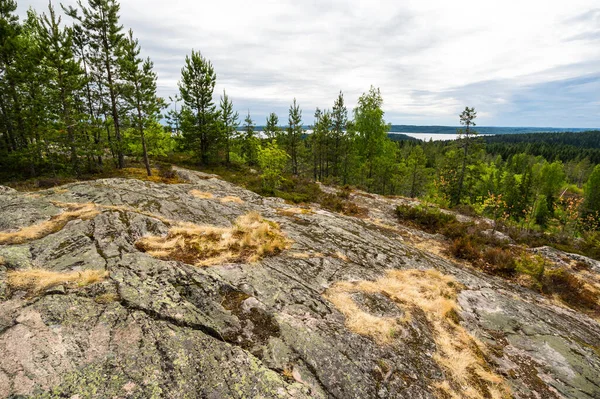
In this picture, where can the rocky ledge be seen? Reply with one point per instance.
(348, 309)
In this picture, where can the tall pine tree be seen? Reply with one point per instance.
(139, 91)
(66, 78)
(294, 134)
(99, 22)
(197, 84)
(229, 123)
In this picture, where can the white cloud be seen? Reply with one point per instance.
(430, 58)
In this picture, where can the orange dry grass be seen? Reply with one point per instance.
(294, 211)
(56, 223)
(231, 198)
(201, 194)
(341, 256)
(38, 280)
(458, 353)
(249, 239)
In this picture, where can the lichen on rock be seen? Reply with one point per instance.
(161, 327)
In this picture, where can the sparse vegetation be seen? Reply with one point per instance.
(430, 219)
(35, 281)
(571, 290)
(56, 223)
(467, 373)
(201, 194)
(249, 239)
(231, 198)
(294, 211)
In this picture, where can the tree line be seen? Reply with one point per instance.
(72, 97)
(78, 98)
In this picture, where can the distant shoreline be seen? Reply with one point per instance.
(482, 130)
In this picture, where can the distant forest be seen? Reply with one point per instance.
(481, 129)
(77, 100)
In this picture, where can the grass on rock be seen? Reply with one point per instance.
(460, 356)
(38, 280)
(249, 239)
(56, 223)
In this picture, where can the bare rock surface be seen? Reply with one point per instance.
(166, 329)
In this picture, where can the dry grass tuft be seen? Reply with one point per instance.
(231, 198)
(248, 240)
(201, 194)
(2, 261)
(458, 353)
(305, 255)
(56, 223)
(341, 256)
(294, 211)
(37, 280)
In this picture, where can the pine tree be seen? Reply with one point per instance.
(198, 79)
(294, 134)
(339, 118)
(250, 142)
(100, 24)
(9, 102)
(467, 118)
(31, 112)
(139, 91)
(229, 123)
(92, 101)
(67, 77)
(271, 128)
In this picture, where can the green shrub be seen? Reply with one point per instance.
(432, 220)
(332, 202)
(533, 266)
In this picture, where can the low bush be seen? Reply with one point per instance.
(466, 210)
(332, 202)
(465, 248)
(534, 266)
(299, 190)
(432, 220)
(499, 261)
(570, 289)
(344, 192)
(166, 171)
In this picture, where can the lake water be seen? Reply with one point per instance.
(420, 136)
(430, 136)
(433, 136)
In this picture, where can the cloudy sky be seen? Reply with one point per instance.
(519, 63)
